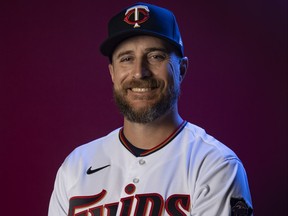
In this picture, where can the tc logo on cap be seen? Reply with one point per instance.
(137, 15)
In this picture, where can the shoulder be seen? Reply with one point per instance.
(213, 164)
(81, 158)
(97, 148)
(205, 147)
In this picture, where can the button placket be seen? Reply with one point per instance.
(141, 161)
(136, 180)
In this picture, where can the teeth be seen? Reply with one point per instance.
(140, 89)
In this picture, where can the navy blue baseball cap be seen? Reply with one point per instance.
(142, 19)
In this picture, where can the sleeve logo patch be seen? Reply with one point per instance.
(239, 207)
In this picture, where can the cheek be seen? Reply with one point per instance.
(119, 77)
(118, 73)
(171, 75)
(174, 74)
(119, 81)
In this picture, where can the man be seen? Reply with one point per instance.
(157, 163)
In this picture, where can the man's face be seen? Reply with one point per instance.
(146, 77)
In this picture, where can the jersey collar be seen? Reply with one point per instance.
(144, 152)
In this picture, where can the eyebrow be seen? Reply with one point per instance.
(152, 49)
(147, 50)
(126, 52)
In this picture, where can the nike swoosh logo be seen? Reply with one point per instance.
(90, 171)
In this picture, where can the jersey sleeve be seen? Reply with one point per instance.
(222, 189)
(59, 205)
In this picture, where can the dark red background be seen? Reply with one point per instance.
(56, 90)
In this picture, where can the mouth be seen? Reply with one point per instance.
(141, 90)
(142, 93)
(142, 87)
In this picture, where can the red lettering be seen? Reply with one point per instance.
(127, 203)
(152, 203)
(111, 208)
(146, 204)
(84, 202)
(174, 202)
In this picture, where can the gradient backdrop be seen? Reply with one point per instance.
(56, 90)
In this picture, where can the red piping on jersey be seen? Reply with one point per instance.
(125, 142)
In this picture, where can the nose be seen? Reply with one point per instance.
(141, 70)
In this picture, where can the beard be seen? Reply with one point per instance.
(151, 112)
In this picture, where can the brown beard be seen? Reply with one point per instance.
(149, 113)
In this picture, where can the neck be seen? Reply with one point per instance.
(149, 135)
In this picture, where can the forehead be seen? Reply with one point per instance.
(140, 43)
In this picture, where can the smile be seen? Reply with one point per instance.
(141, 89)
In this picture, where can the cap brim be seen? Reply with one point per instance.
(108, 46)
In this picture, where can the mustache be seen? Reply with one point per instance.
(143, 83)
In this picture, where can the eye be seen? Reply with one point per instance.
(126, 58)
(154, 57)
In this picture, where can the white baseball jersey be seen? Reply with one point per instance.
(190, 173)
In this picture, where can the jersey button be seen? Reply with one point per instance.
(136, 180)
(142, 162)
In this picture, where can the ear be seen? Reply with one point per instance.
(111, 70)
(183, 68)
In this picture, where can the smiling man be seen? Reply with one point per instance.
(157, 163)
